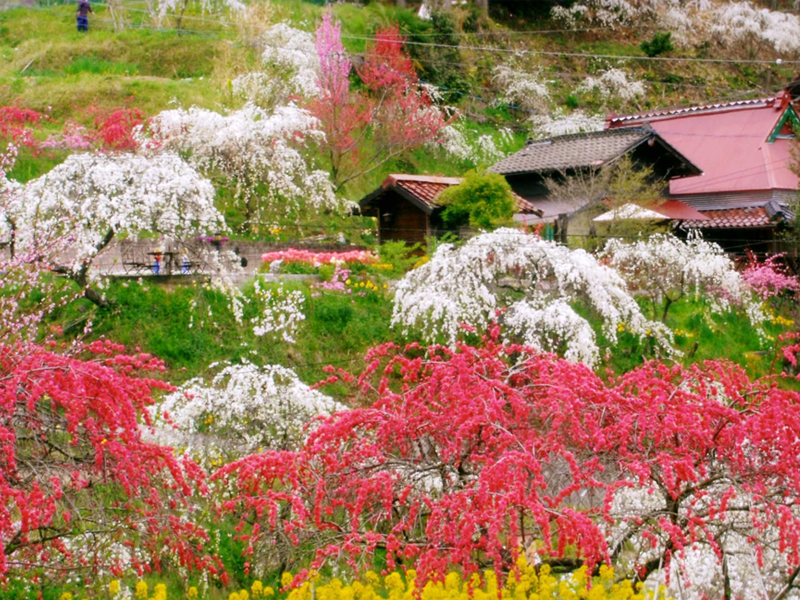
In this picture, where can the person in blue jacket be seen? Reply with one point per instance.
(84, 8)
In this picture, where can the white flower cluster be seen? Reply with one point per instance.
(243, 409)
(280, 314)
(551, 325)
(736, 23)
(602, 13)
(536, 280)
(558, 123)
(291, 68)
(731, 24)
(483, 149)
(257, 150)
(613, 83)
(665, 267)
(520, 88)
(93, 197)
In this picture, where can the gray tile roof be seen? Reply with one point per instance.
(576, 150)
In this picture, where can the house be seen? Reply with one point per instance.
(747, 187)
(580, 155)
(406, 207)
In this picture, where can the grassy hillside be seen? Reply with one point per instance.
(47, 66)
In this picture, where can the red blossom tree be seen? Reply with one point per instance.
(115, 128)
(80, 486)
(18, 124)
(470, 456)
(364, 130)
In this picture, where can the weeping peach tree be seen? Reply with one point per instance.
(473, 455)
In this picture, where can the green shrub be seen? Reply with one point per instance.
(660, 44)
(399, 254)
(572, 101)
(483, 200)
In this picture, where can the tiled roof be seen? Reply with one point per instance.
(754, 216)
(591, 149)
(425, 189)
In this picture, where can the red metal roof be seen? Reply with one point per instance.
(678, 211)
(728, 142)
(427, 188)
(755, 216)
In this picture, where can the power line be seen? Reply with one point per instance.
(523, 51)
(580, 54)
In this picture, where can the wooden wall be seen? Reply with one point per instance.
(400, 220)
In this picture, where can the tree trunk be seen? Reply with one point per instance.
(401, 3)
(483, 6)
(94, 296)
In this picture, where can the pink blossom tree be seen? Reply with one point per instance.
(80, 486)
(769, 278)
(473, 455)
(365, 130)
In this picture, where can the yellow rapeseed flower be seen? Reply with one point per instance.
(524, 584)
(141, 590)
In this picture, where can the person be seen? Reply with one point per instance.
(84, 8)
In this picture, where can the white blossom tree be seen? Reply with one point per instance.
(290, 67)
(667, 269)
(559, 123)
(91, 199)
(241, 410)
(280, 312)
(613, 84)
(734, 25)
(533, 280)
(460, 144)
(742, 24)
(259, 154)
(524, 89)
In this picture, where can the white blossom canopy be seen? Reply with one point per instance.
(257, 150)
(243, 409)
(291, 68)
(535, 280)
(91, 198)
(667, 268)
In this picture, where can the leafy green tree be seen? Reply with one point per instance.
(482, 200)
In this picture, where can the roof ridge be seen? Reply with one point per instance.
(582, 134)
(424, 178)
(671, 112)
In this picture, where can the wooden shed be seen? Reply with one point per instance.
(407, 210)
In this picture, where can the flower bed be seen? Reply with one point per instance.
(317, 259)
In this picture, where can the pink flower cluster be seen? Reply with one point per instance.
(338, 282)
(769, 278)
(293, 255)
